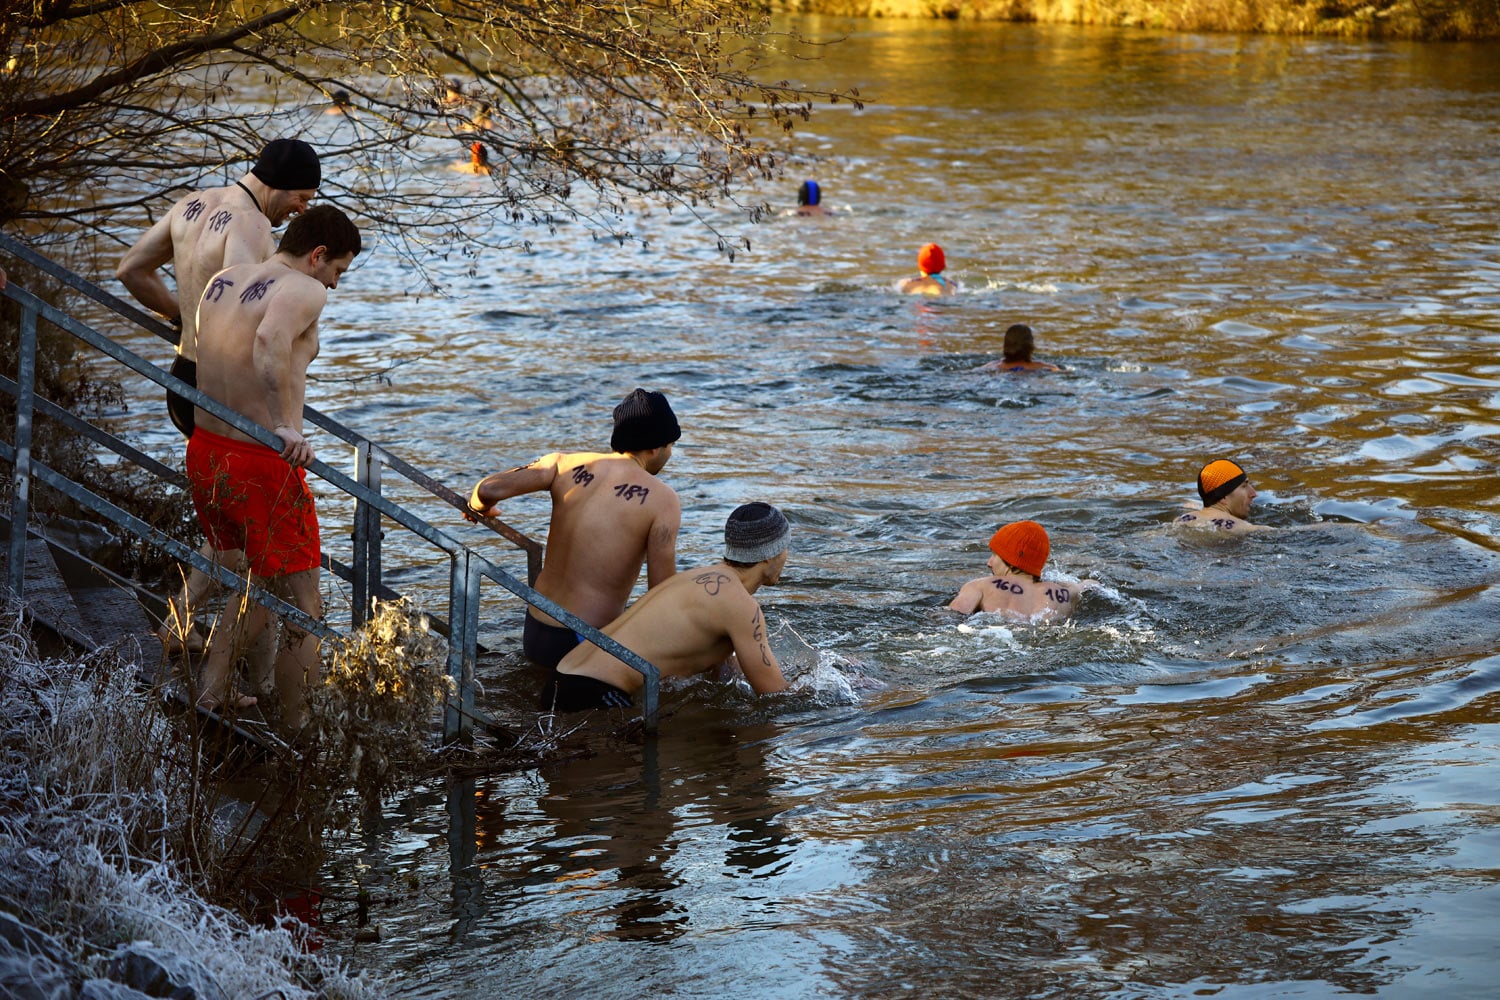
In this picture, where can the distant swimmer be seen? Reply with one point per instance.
(481, 120)
(931, 262)
(340, 104)
(478, 161)
(1017, 589)
(1227, 494)
(690, 624)
(610, 514)
(1018, 347)
(810, 200)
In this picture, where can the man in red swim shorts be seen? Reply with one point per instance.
(257, 333)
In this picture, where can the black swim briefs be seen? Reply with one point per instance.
(546, 645)
(577, 693)
(179, 408)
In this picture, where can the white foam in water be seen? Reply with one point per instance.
(831, 678)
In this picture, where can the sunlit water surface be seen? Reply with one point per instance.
(1249, 768)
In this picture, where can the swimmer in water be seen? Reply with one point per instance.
(340, 105)
(1227, 494)
(1018, 347)
(1016, 588)
(689, 624)
(931, 262)
(481, 119)
(810, 200)
(478, 161)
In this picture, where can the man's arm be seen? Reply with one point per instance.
(969, 597)
(138, 269)
(752, 648)
(490, 490)
(288, 316)
(661, 543)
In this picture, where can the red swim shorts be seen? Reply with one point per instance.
(248, 497)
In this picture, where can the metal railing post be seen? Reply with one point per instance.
(463, 640)
(367, 532)
(20, 498)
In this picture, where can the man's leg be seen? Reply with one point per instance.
(242, 620)
(177, 632)
(297, 664)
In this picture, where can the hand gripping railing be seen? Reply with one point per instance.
(467, 568)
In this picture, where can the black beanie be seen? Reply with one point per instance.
(755, 532)
(288, 165)
(644, 420)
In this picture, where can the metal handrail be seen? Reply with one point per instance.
(468, 567)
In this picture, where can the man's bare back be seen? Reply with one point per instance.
(215, 228)
(690, 623)
(1019, 553)
(610, 514)
(685, 626)
(260, 332)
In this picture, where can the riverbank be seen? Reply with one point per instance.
(102, 860)
(1424, 20)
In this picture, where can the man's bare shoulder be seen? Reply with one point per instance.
(570, 459)
(1215, 520)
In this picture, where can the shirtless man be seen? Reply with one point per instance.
(609, 515)
(931, 262)
(1227, 494)
(204, 233)
(257, 333)
(1016, 588)
(689, 624)
(1018, 346)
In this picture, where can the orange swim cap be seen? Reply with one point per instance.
(1024, 545)
(1218, 479)
(931, 260)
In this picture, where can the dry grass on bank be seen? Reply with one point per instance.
(94, 844)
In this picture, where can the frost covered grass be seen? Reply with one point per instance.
(101, 839)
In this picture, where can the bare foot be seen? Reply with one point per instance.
(214, 703)
(178, 644)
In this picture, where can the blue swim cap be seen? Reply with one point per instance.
(808, 193)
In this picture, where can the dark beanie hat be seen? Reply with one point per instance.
(754, 532)
(644, 420)
(288, 165)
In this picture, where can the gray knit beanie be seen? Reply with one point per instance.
(755, 532)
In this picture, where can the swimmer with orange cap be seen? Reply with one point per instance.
(1227, 494)
(931, 262)
(1016, 588)
(478, 161)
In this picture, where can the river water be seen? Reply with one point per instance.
(1252, 767)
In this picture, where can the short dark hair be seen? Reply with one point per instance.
(321, 226)
(1018, 343)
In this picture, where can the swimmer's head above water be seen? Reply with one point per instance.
(809, 194)
(1022, 545)
(1224, 485)
(930, 260)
